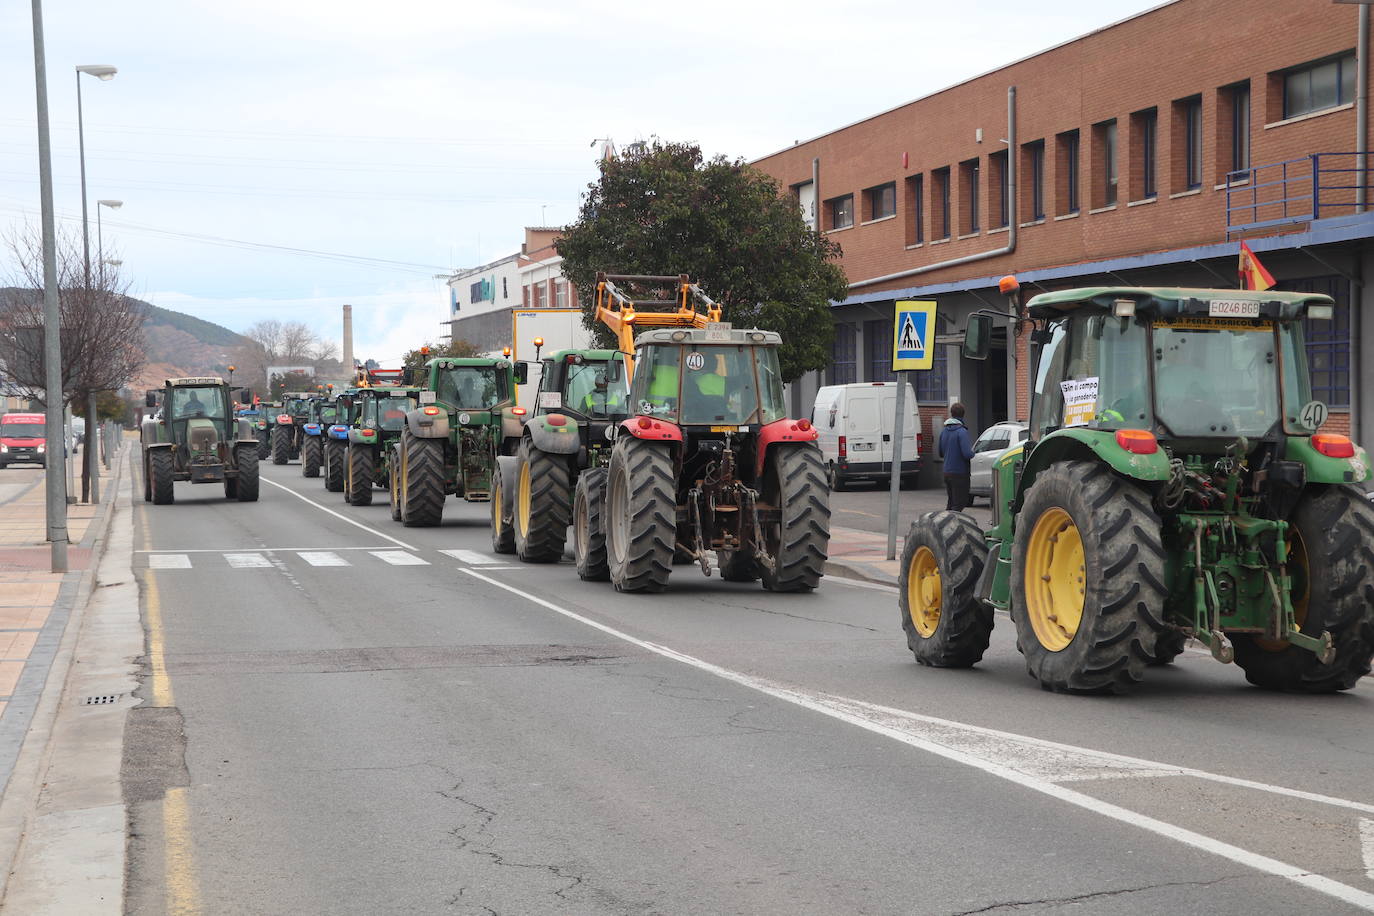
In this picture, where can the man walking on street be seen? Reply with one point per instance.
(956, 448)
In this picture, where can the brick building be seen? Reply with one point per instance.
(1139, 154)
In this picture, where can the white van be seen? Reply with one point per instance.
(855, 423)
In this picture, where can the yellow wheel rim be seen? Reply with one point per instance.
(523, 501)
(923, 591)
(1055, 579)
(497, 496)
(1302, 591)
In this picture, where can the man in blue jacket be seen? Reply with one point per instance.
(956, 448)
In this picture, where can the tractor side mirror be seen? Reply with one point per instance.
(978, 337)
(150, 400)
(522, 373)
(245, 396)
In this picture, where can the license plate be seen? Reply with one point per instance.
(862, 446)
(1232, 308)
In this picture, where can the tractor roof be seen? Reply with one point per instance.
(200, 381)
(1168, 302)
(592, 355)
(710, 337)
(481, 362)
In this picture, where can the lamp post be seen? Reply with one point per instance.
(100, 235)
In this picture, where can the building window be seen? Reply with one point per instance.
(880, 202)
(1034, 166)
(1240, 127)
(1328, 342)
(1145, 125)
(931, 384)
(878, 350)
(969, 174)
(505, 292)
(915, 208)
(1001, 203)
(940, 177)
(1104, 138)
(561, 293)
(1324, 84)
(839, 212)
(844, 366)
(1192, 120)
(1066, 189)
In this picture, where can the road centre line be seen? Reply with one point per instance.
(339, 515)
(887, 721)
(1367, 846)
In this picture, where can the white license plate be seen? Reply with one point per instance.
(862, 446)
(1232, 308)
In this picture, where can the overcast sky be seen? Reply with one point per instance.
(430, 132)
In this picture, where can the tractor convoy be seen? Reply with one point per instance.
(1175, 484)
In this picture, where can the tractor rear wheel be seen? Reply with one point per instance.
(335, 456)
(281, 444)
(641, 515)
(422, 481)
(247, 457)
(264, 444)
(358, 488)
(1087, 580)
(147, 479)
(393, 482)
(543, 504)
(1333, 590)
(795, 483)
(161, 469)
(946, 625)
(503, 488)
(311, 456)
(589, 527)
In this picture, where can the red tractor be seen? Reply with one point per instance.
(707, 460)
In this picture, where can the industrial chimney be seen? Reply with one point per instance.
(348, 339)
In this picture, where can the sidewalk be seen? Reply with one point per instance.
(856, 554)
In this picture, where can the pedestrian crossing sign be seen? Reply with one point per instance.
(913, 335)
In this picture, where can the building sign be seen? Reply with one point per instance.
(483, 291)
(913, 337)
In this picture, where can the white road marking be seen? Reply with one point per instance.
(169, 561)
(262, 549)
(338, 515)
(471, 557)
(989, 750)
(248, 560)
(1367, 846)
(322, 558)
(399, 558)
(495, 568)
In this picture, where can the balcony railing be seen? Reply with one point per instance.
(1277, 194)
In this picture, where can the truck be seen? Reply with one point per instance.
(22, 439)
(537, 332)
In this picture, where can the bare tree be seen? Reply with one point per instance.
(325, 351)
(298, 341)
(266, 334)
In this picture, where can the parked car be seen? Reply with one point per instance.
(991, 445)
(855, 423)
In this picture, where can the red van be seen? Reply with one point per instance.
(21, 438)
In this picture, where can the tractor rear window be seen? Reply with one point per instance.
(1216, 381)
(470, 387)
(189, 403)
(709, 385)
(21, 431)
(391, 412)
(592, 393)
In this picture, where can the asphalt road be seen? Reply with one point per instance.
(864, 506)
(463, 734)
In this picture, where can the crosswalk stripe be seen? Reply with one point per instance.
(169, 561)
(398, 558)
(247, 560)
(322, 558)
(471, 557)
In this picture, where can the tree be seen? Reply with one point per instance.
(456, 349)
(661, 208)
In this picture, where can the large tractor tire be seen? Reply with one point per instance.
(641, 515)
(335, 465)
(358, 485)
(543, 504)
(1169, 645)
(795, 482)
(147, 479)
(161, 468)
(281, 444)
(312, 456)
(504, 485)
(589, 526)
(1332, 566)
(422, 481)
(248, 486)
(393, 482)
(946, 625)
(1087, 580)
(264, 444)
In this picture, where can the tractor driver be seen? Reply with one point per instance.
(662, 393)
(192, 407)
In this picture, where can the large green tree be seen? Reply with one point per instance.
(662, 208)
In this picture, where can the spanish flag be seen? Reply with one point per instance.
(1252, 272)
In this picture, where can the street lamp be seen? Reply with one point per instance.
(100, 235)
(104, 73)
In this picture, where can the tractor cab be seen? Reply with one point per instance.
(709, 378)
(197, 421)
(589, 384)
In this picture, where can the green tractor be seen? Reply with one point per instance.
(196, 437)
(464, 419)
(1175, 486)
(583, 395)
(288, 428)
(380, 415)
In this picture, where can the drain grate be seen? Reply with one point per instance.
(102, 700)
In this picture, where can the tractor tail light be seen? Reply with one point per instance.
(431, 411)
(1334, 445)
(518, 411)
(1137, 441)
(645, 422)
(844, 447)
(803, 425)
(556, 419)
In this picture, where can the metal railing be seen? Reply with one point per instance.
(1294, 191)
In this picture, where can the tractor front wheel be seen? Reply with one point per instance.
(281, 444)
(161, 468)
(311, 456)
(543, 504)
(503, 487)
(248, 487)
(422, 481)
(641, 515)
(1332, 564)
(796, 485)
(358, 487)
(589, 527)
(1087, 580)
(335, 456)
(946, 625)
